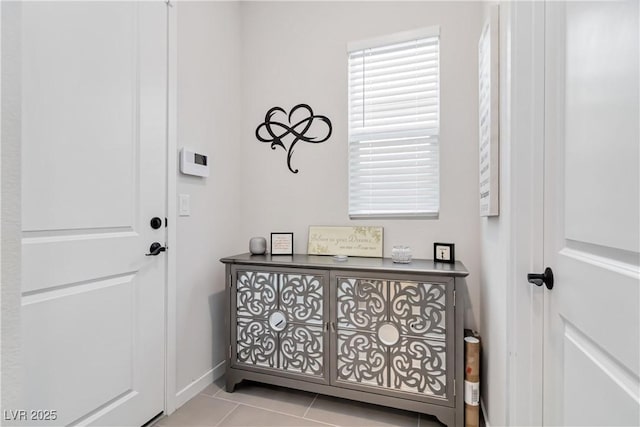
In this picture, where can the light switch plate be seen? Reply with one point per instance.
(184, 205)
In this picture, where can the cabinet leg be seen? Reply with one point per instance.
(450, 420)
(230, 382)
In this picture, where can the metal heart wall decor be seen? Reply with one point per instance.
(295, 126)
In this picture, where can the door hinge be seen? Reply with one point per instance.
(230, 353)
(231, 280)
(454, 387)
(454, 297)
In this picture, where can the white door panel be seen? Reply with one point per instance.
(610, 398)
(89, 362)
(598, 298)
(601, 118)
(58, 258)
(94, 103)
(81, 106)
(592, 199)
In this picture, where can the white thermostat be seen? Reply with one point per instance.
(192, 163)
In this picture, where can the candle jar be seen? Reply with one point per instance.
(401, 254)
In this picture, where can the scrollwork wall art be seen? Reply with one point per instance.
(301, 124)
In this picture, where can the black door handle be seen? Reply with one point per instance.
(539, 279)
(155, 249)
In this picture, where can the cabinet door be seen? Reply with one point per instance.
(280, 322)
(256, 298)
(418, 360)
(392, 335)
(302, 341)
(361, 308)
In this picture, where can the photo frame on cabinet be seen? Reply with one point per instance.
(281, 243)
(444, 252)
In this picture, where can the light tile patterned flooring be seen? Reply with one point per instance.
(261, 405)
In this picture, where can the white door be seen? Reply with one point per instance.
(592, 320)
(94, 86)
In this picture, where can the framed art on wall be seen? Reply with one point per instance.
(489, 109)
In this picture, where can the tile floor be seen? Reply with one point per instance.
(261, 405)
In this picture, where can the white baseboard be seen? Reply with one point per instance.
(218, 370)
(196, 386)
(484, 413)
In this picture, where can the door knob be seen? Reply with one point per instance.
(155, 249)
(155, 223)
(539, 279)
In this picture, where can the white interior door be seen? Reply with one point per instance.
(592, 323)
(94, 84)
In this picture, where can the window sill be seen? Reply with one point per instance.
(434, 215)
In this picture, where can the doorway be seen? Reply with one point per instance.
(94, 187)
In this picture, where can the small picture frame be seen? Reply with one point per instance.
(444, 252)
(281, 243)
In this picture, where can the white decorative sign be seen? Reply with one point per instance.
(351, 241)
(488, 83)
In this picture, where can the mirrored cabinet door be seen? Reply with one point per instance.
(392, 334)
(280, 322)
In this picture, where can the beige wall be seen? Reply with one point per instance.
(208, 122)
(496, 256)
(238, 59)
(295, 52)
(494, 250)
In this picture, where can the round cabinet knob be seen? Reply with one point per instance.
(278, 321)
(388, 334)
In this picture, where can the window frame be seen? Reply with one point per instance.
(387, 40)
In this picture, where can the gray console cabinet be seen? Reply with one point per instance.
(365, 329)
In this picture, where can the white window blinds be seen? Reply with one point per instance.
(394, 110)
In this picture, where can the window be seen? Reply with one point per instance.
(394, 108)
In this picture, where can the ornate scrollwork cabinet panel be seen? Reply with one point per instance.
(363, 329)
(256, 294)
(392, 334)
(280, 322)
(419, 366)
(301, 297)
(361, 303)
(257, 344)
(302, 349)
(361, 359)
(418, 308)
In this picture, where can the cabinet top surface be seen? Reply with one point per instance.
(422, 266)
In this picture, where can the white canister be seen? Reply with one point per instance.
(258, 245)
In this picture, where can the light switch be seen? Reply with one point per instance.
(184, 208)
